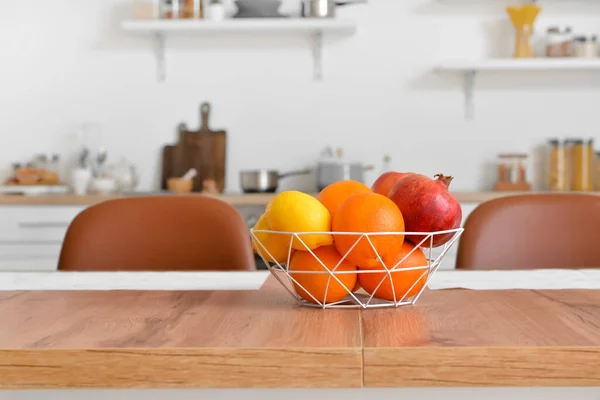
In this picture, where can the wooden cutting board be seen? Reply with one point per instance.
(203, 149)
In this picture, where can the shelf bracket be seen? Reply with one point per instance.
(469, 86)
(318, 55)
(159, 49)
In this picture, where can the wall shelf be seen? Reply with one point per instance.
(315, 28)
(470, 68)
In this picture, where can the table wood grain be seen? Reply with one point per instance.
(486, 338)
(145, 339)
(261, 339)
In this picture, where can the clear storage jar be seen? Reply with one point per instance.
(582, 162)
(558, 172)
(597, 172)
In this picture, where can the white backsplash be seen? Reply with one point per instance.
(67, 62)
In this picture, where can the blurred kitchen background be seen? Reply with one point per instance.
(70, 64)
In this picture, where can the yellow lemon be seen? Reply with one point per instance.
(294, 211)
(277, 245)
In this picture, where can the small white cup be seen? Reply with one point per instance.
(80, 180)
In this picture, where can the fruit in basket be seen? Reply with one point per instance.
(368, 212)
(336, 193)
(294, 211)
(386, 181)
(427, 206)
(277, 245)
(315, 284)
(405, 284)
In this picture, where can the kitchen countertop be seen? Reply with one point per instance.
(261, 339)
(234, 199)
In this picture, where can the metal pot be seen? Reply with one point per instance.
(264, 180)
(330, 172)
(323, 8)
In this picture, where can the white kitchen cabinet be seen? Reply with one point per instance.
(31, 236)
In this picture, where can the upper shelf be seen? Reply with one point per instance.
(317, 28)
(522, 64)
(297, 25)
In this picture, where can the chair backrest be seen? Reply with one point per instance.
(532, 231)
(159, 233)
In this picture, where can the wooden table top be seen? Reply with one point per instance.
(486, 338)
(201, 339)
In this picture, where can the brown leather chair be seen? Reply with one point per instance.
(532, 231)
(170, 233)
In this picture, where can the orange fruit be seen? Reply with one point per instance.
(315, 284)
(404, 283)
(336, 193)
(365, 213)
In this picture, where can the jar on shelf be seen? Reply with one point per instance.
(585, 47)
(597, 172)
(146, 9)
(216, 10)
(582, 159)
(558, 173)
(183, 9)
(553, 42)
(567, 42)
(559, 43)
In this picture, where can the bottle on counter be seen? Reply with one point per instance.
(582, 158)
(558, 173)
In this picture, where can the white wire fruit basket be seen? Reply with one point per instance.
(324, 278)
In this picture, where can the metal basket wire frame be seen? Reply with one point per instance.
(281, 272)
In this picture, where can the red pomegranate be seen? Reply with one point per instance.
(386, 182)
(427, 206)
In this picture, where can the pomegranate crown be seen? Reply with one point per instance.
(444, 179)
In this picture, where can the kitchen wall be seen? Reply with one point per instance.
(66, 62)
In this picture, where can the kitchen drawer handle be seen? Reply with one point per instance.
(30, 225)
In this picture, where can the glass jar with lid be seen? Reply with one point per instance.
(553, 42)
(582, 159)
(597, 171)
(558, 172)
(182, 9)
(559, 42)
(585, 47)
